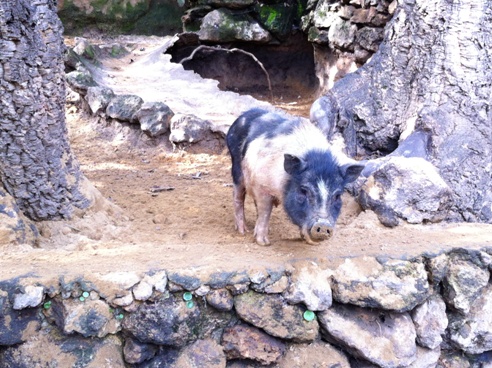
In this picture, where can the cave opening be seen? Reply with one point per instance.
(290, 67)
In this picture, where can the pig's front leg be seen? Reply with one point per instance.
(239, 195)
(264, 205)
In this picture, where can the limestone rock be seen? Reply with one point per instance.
(323, 17)
(170, 321)
(124, 107)
(154, 118)
(201, 354)
(90, 318)
(220, 299)
(464, 281)
(15, 228)
(230, 4)
(15, 326)
(222, 25)
(142, 291)
(342, 34)
(426, 358)
(80, 81)
(30, 297)
(393, 285)
(136, 352)
(385, 339)
(430, 322)
(409, 188)
(317, 354)
(311, 286)
(263, 311)
(472, 332)
(247, 342)
(98, 98)
(66, 351)
(188, 129)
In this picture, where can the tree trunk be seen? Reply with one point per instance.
(433, 74)
(36, 165)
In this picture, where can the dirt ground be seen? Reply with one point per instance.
(189, 224)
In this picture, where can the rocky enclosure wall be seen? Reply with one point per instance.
(424, 312)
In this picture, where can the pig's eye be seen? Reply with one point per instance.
(302, 194)
(337, 197)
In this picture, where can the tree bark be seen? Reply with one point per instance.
(433, 74)
(37, 166)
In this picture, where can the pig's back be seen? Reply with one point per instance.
(263, 155)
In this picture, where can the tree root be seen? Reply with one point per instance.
(215, 48)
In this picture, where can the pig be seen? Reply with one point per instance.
(278, 159)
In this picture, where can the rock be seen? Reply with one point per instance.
(15, 326)
(454, 359)
(430, 322)
(136, 17)
(369, 38)
(342, 34)
(317, 354)
(269, 281)
(311, 286)
(30, 297)
(90, 318)
(135, 351)
(222, 25)
(169, 321)
(409, 188)
(80, 81)
(323, 17)
(220, 299)
(50, 349)
(385, 339)
(472, 332)
(186, 280)
(363, 16)
(166, 357)
(263, 311)
(15, 228)
(98, 98)
(124, 300)
(247, 342)
(276, 18)
(124, 107)
(201, 354)
(188, 129)
(393, 285)
(230, 4)
(426, 358)
(83, 48)
(154, 118)
(464, 281)
(157, 279)
(142, 291)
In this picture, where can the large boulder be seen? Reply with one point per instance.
(223, 25)
(408, 188)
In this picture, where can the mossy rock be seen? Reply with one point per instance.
(157, 17)
(279, 19)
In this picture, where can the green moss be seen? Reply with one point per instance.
(276, 18)
(159, 17)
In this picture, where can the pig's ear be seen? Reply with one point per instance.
(293, 164)
(350, 172)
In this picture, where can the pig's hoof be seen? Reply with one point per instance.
(262, 241)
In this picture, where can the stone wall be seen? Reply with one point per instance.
(366, 312)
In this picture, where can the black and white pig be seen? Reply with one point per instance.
(277, 159)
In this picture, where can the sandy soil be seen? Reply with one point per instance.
(190, 225)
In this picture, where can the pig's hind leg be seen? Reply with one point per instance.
(239, 196)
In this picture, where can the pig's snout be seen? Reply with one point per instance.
(321, 230)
